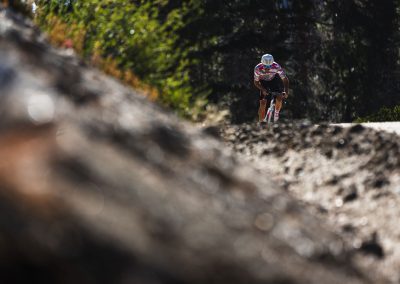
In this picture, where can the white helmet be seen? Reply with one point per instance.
(267, 59)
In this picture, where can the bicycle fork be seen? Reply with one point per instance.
(270, 113)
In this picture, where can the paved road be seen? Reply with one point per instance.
(387, 126)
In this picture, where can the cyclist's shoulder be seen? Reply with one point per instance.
(259, 66)
(276, 65)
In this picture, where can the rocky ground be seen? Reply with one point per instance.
(348, 177)
(98, 185)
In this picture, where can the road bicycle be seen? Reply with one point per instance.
(269, 117)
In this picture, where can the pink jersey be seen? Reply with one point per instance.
(261, 72)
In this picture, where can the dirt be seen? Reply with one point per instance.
(347, 177)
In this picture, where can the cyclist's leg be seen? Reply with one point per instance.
(263, 101)
(277, 85)
(278, 106)
(262, 108)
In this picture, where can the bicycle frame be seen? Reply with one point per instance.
(269, 117)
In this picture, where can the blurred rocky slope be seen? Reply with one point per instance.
(97, 185)
(349, 177)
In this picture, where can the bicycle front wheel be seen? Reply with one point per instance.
(271, 112)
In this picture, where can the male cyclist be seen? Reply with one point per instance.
(269, 76)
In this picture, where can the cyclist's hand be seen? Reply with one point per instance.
(264, 92)
(285, 95)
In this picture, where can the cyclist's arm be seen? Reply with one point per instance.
(259, 86)
(286, 85)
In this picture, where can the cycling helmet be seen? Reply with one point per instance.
(267, 59)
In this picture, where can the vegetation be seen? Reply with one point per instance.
(340, 55)
(133, 40)
(384, 114)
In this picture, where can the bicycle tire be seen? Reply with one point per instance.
(271, 112)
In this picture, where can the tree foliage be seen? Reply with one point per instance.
(384, 114)
(137, 36)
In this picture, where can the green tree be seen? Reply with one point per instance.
(141, 36)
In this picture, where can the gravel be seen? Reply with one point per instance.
(347, 176)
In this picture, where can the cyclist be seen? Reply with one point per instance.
(269, 76)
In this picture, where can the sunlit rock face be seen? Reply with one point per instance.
(97, 185)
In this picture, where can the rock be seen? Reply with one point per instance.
(350, 194)
(212, 131)
(373, 247)
(358, 128)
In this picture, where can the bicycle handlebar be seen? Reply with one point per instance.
(273, 94)
(276, 93)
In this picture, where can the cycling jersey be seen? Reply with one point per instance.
(262, 72)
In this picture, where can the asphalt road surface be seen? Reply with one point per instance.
(386, 126)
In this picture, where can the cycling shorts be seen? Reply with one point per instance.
(275, 85)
